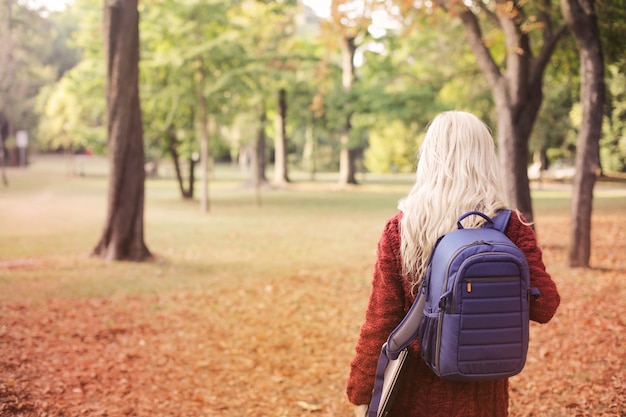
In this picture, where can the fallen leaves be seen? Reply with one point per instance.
(283, 348)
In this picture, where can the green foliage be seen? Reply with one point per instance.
(556, 127)
(612, 23)
(392, 148)
(26, 67)
(464, 87)
(73, 110)
(554, 133)
(63, 55)
(218, 50)
(613, 142)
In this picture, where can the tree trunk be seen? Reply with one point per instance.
(257, 158)
(204, 162)
(203, 129)
(7, 67)
(123, 237)
(261, 161)
(346, 158)
(517, 92)
(281, 176)
(7, 72)
(192, 175)
(308, 153)
(171, 147)
(581, 18)
(513, 149)
(5, 181)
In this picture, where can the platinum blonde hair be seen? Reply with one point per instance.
(457, 171)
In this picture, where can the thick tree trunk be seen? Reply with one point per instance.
(123, 237)
(517, 92)
(281, 175)
(347, 166)
(581, 18)
(514, 122)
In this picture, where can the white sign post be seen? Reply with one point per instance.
(21, 140)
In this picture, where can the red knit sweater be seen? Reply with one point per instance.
(423, 393)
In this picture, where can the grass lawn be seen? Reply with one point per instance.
(254, 309)
(51, 222)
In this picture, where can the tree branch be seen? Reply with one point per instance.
(489, 13)
(474, 35)
(549, 44)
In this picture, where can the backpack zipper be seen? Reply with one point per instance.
(468, 284)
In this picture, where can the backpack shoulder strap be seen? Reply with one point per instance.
(501, 220)
(406, 331)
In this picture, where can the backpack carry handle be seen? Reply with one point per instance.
(469, 213)
(498, 222)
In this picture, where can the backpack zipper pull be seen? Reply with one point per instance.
(469, 286)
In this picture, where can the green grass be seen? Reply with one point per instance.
(51, 220)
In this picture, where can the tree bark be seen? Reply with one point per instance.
(281, 174)
(581, 18)
(123, 236)
(347, 166)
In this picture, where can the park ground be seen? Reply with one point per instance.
(254, 310)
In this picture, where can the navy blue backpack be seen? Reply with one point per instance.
(470, 314)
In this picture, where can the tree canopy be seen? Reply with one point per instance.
(409, 64)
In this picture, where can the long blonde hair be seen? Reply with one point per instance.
(457, 171)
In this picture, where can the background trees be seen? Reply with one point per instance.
(29, 60)
(218, 86)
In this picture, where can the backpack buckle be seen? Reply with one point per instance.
(443, 301)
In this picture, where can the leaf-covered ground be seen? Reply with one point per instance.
(282, 347)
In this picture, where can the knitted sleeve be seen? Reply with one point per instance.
(543, 308)
(384, 311)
